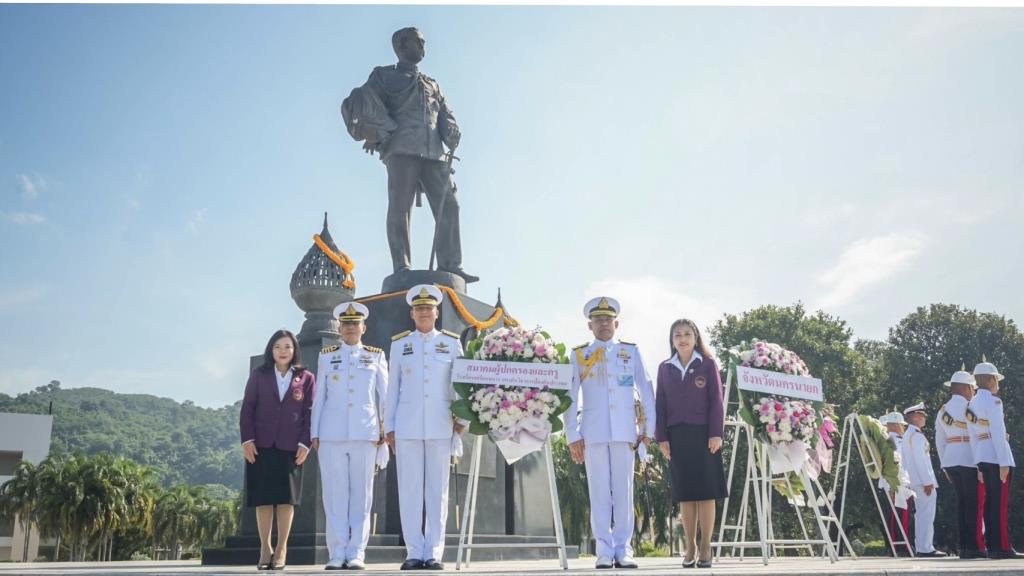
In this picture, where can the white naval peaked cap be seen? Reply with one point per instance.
(351, 311)
(601, 306)
(421, 294)
(893, 417)
(986, 367)
(960, 377)
(919, 407)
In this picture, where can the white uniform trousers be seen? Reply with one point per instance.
(346, 474)
(610, 481)
(423, 472)
(924, 519)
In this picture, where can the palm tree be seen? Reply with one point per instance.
(52, 504)
(19, 498)
(174, 518)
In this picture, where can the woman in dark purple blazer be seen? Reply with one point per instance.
(274, 423)
(689, 426)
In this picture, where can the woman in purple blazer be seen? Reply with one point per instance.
(274, 422)
(689, 426)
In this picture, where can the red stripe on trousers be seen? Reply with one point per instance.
(979, 529)
(1004, 505)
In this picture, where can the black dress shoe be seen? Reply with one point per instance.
(277, 567)
(1010, 554)
(703, 563)
(689, 563)
(973, 554)
(469, 278)
(264, 566)
(932, 554)
(432, 565)
(412, 565)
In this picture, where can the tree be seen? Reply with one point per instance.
(175, 519)
(19, 498)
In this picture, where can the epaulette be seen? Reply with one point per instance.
(401, 335)
(373, 349)
(450, 333)
(329, 349)
(947, 419)
(627, 343)
(584, 345)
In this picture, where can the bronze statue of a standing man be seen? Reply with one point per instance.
(401, 113)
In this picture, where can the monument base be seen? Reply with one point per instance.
(405, 279)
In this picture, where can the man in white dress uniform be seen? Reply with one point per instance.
(352, 384)
(419, 426)
(604, 433)
(916, 458)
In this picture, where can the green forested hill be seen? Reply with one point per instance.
(181, 441)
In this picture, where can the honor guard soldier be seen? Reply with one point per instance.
(895, 426)
(953, 445)
(916, 452)
(419, 427)
(602, 429)
(346, 430)
(902, 496)
(991, 448)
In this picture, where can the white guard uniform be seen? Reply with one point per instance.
(951, 439)
(915, 456)
(419, 413)
(987, 430)
(352, 383)
(608, 425)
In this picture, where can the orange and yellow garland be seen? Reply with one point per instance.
(340, 258)
(466, 316)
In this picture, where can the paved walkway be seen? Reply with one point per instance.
(658, 566)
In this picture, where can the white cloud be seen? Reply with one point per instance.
(828, 215)
(31, 185)
(16, 297)
(14, 381)
(649, 305)
(866, 263)
(196, 220)
(23, 218)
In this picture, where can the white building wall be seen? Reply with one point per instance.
(28, 434)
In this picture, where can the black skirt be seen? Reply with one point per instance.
(697, 474)
(273, 478)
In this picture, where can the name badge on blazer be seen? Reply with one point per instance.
(626, 380)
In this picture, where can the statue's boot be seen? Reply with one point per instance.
(469, 278)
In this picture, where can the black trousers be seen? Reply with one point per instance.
(968, 507)
(405, 174)
(997, 500)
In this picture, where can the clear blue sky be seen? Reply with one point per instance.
(162, 170)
